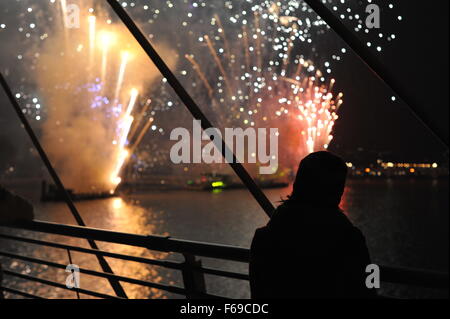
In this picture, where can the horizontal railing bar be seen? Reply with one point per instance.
(83, 291)
(173, 289)
(394, 275)
(162, 263)
(222, 273)
(166, 264)
(58, 285)
(20, 293)
(429, 279)
(152, 242)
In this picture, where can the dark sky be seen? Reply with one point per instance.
(419, 60)
(422, 58)
(368, 119)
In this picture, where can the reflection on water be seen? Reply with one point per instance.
(131, 218)
(116, 214)
(405, 223)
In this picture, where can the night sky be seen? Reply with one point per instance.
(419, 59)
(370, 123)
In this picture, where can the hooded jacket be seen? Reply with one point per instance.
(309, 251)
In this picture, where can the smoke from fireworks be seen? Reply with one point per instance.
(247, 63)
(90, 79)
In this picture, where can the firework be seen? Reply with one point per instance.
(246, 63)
(92, 77)
(258, 79)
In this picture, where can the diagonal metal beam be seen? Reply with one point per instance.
(118, 289)
(191, 105)
(378, 68)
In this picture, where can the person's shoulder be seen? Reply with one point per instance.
(354, 236)
(277, 225)
(349, 228)
(358, 235)
(280, 214)
(262, 232)
(261, 237)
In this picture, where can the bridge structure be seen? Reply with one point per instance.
(193, 273)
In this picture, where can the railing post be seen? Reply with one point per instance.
(194, 280)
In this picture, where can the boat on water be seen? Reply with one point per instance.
(210, 181)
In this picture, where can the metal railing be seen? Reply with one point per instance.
(192, 270)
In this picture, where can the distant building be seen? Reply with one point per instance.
(393, 169)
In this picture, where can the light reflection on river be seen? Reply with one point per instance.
(405, 223)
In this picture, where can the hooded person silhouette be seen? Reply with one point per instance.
(309, 248)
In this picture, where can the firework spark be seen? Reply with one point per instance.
(261, 80)
(247, 63)
(92, 77)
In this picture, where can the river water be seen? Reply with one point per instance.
(405, 223)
